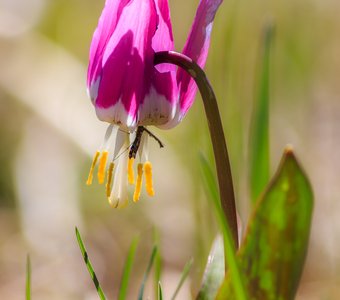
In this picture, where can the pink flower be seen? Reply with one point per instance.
(124, 85)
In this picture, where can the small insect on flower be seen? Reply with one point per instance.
(130, 93)
(135, 145)
(124, 154)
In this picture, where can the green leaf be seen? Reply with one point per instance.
(229, 245)
(160, 292)
(184, 275)
(214, 272)
(259, 132)
(89, 266)
(28, 278)
(147, 272)
(127, 270)
(274, 250)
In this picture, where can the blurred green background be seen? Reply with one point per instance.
(49, 132)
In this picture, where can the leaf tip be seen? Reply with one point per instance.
(289, 155)
(289, 150)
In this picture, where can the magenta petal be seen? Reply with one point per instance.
(196, 48)
(127, 64)
(163, 39)
(106, 25)
(123, 83)
(159, 105)
(165, 84)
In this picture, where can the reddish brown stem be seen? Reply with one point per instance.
(223, 169)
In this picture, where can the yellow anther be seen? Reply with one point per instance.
(138, 188)
(148, 178)
(131, 175)
(109, 179)
(94, 162)
(102, 166)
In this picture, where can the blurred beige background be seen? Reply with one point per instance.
(49, 132)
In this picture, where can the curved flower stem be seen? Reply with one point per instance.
(216, 132)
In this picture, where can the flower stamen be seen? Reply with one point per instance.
(148, 178)
(94, 162)
(138, 188)
(109, 179)
(119, 175)
(131, 175)
(119, 193)
(102, 166)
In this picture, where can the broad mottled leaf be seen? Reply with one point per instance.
(274, 250)
(259, 131)
(214, 272)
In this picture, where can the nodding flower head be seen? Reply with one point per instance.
(127, 90)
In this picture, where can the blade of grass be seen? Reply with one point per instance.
(89, 266)
(127, 270)
(229, 244)
(157, 263)
(184, 275)
(147, 272)
(28, 278)
(160, 292)
(259, 133)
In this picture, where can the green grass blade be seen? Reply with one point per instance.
(274, 250)
(157, 269)
(184, 275)
(147, 272)
(28, 278)
(229, 245)
(157, 263)
(127, 270)
(89, 266)
(259, 133)
(160, 292)
(214, 272)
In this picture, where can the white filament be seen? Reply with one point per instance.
(143, 151)
(119, 194)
